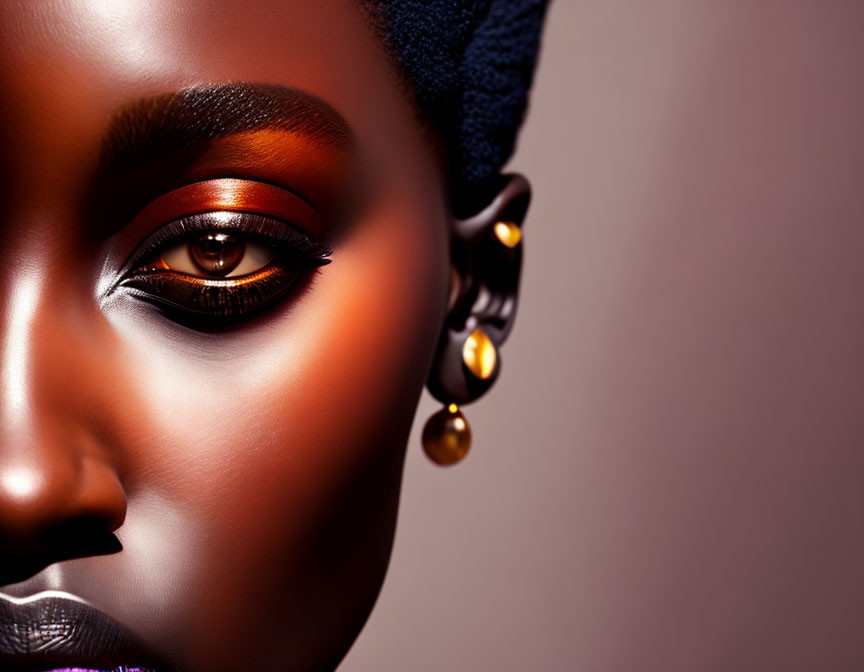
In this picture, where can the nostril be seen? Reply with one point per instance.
(74, 539)
(82, 536)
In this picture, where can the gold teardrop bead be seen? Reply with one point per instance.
(479, 354)
(508, 234)
(447, 436)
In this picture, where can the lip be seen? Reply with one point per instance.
(57, 631)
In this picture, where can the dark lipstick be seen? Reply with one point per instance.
(52, 632)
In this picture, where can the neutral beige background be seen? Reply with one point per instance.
(669, 475)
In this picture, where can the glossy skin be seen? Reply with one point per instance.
(251, 473)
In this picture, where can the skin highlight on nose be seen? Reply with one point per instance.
(19, 484)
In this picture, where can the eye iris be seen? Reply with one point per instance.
(216, 253)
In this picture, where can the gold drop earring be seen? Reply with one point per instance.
(447, 435)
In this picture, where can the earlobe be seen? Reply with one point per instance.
(486, 252)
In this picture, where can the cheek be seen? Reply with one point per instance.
(342, 360)
(283, 442)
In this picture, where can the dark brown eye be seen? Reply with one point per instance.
(219, 266)
(216, 253)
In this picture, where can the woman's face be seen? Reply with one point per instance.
(242, 440)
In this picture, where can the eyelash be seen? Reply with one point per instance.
(185, 297)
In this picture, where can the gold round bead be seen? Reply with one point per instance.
(447, 436)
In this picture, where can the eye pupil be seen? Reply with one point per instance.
(216, 253)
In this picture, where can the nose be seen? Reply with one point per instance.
(59, 486)
(55, 493)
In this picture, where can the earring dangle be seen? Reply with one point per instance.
(447, 436)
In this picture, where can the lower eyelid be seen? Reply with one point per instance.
(220, 299)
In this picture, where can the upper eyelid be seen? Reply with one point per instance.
(235, 195)
(181, 228)
(230, 194)
(223, 194)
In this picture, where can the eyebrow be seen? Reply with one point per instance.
(149, 128)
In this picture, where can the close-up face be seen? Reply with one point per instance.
(209, 465)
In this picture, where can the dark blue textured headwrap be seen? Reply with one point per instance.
(470, 64)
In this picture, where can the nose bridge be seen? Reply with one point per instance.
(53, 466)
(20, 300)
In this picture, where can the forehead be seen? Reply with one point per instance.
(163, 41)
(67, 67)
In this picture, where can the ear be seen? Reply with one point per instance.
(486, 254)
